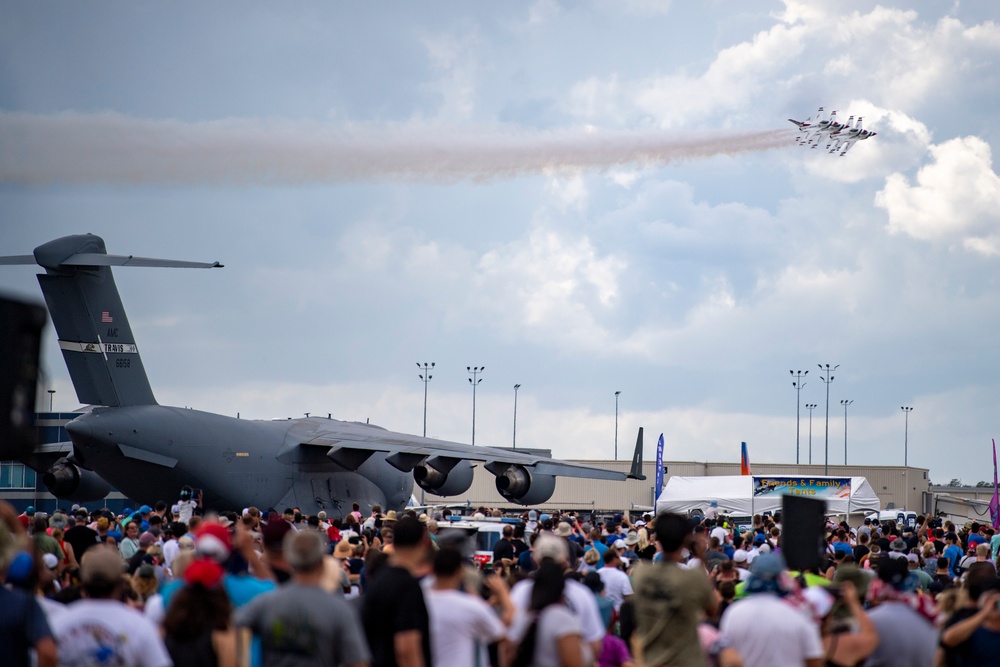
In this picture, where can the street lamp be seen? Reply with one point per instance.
(798, 384)
(810, 407)
(516, 387)
(474, 381)
(828, 379)
(51, 394)
(845, 403)
(906, 434)
(425, 377)
(617, 394)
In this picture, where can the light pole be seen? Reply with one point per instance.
(845, 403)
(810, 407)
(828, 379)
(51, 394)
(906, 434)
(798, 384)
(474, 380)
(516, 387)
(617, 394)
(425, 377)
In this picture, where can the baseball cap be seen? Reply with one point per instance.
(145, 509)
(740, 556)
(550, 546)
(30, 510)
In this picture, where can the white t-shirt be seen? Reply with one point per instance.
(99, 632)
(616, 585)
(579, 599)
(170, 549)
(555, 622)
(185, 508)
(720, 533)
(767, 631)
(458, 622)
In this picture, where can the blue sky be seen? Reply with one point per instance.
(582, 197)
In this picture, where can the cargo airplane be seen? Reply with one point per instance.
(148, 451)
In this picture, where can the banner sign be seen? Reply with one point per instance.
(659, 467)
(824, 487)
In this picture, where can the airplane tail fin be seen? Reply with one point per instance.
(636, 470)
(86, 309)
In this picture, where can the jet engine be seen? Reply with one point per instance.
(518, 484)
(68, 481)
(455, 482)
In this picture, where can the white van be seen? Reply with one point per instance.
(902, 517)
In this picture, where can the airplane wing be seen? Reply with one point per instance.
(801, 124)
(351, 443)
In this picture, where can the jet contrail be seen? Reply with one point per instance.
(111, 148)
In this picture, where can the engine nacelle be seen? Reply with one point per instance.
(518, 484)
(455, 482)
(68, 481)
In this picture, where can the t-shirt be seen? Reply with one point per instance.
(616, 585)
(579, 599)
(393, 603)
(22, 625)
(81, 538)
(458, 623)
(555, 622)
(106, 632)
(502, 549)
(905, 637)
(185, 509)
(301, 626)
(668, 604)
(994, 546)
(981, 649)
(766, 631)
(953, 553)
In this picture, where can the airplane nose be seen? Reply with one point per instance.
(80, 428)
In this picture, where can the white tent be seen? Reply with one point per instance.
(753, 494)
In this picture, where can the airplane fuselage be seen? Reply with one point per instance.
(149, 451)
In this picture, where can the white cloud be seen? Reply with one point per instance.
(551, 286)
(956, 198)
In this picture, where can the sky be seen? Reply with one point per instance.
(581, 197)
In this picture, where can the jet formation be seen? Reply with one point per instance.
(837, 136)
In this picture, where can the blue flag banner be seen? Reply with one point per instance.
(659, 466)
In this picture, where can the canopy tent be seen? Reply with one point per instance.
(753, 494)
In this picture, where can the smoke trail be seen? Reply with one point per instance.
(116, 149)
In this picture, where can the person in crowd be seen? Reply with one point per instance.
(130, 543)
(903, 618)
(589, 561)
(100, 629)
(971, 635)
(952, 552)
(188, 503)
(300, 623)
(462, 622)
(617, 585)
(549, 547)
(24, 625)
(669, 600)
(764, 623)
(197, 629)
(549, 634)
(843, 645)
(393, 611)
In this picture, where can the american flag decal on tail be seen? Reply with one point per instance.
(106, 317)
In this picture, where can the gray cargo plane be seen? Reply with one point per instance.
(148, 451)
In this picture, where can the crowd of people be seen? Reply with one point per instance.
(178, 585)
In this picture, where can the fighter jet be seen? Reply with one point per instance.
(853, 134)
(148, 451)
(837, 134)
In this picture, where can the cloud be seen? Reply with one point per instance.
(955, 199)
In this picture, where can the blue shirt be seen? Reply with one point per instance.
(954, 554)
